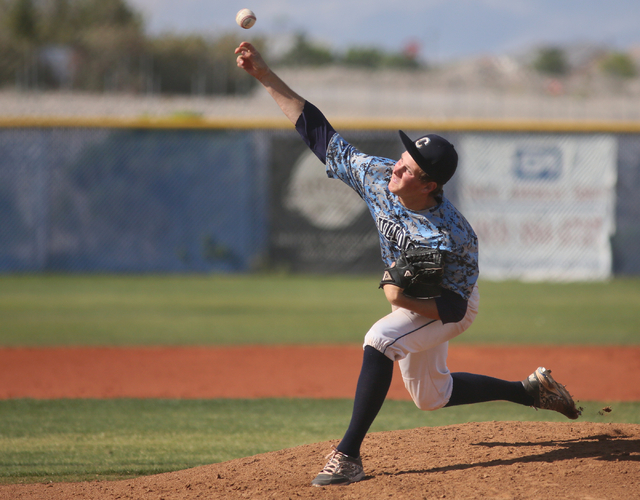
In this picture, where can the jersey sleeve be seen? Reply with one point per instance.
(315, 130)
(451, 306)
(367, 175)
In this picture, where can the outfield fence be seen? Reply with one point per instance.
(549, 200)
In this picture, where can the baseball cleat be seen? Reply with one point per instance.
(341, 469)
(549, 394)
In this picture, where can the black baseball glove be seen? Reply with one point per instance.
(417, 271)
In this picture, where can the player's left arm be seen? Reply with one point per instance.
(449, 307)
(424, 307)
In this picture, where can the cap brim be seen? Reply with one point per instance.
(410, 146)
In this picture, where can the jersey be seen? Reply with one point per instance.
(442, 227)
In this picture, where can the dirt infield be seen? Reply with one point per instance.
(590, 373)
(501, 460)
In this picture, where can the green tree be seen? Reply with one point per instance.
(22, 20)
(110, 59)
(400, 61)
(63, 21)
(364, 57)
(305, 53)
(107, 50)
(619, 64)
(197, 65)
(373, 58)
(11, 59)
(60, 21)
(551, 61)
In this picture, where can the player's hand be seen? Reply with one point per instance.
(250, 60)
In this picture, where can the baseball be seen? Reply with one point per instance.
(245, 18)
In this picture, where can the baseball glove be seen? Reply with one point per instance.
(417, 271)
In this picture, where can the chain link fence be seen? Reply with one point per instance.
(131, 200)
(559, 206)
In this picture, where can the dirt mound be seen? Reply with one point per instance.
(505, 460)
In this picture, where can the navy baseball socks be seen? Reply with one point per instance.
(469, 388)
(539, 390)
(344, 465)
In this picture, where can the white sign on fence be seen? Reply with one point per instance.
(543, 206)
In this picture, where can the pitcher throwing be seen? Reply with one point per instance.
(430, 257)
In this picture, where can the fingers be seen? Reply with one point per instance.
(245, 51)
(240, 60)
(250, 60)
(244, 47)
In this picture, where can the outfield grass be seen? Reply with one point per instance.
(74, 440)
(264, 309)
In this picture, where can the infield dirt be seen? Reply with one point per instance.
(488, 460)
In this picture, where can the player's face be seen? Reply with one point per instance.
(405, 181)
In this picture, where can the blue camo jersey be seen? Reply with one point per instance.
(442, 227)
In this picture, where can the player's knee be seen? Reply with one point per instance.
(430, 405)
(378, 345)
(378, 341)
(429, 395)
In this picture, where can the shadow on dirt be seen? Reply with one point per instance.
(601, 447)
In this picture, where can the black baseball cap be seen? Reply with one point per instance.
(433, 154)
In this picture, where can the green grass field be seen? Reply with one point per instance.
(69, 440)
(266, 309)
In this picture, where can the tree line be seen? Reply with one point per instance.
(101, 45)
(552, 60)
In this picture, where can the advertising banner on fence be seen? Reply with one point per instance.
(543, 206)
(626, 241)
(319, 224)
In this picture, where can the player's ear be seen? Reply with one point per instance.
(429, 187)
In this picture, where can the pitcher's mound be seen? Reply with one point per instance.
(497, 460)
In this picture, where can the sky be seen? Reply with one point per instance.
(443, 29)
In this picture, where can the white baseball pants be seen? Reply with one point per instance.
(420, 346)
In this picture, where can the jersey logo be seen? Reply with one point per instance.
(392, 232)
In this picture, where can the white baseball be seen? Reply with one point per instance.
(245, 18)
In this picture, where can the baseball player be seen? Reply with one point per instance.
(407, 202)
